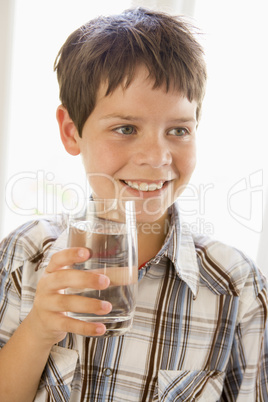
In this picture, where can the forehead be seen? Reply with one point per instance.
(139, 80)
(140, 101)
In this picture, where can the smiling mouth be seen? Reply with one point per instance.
(143, 186)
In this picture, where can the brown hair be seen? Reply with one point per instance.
(110, 48)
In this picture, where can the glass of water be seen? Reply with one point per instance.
(108, 229)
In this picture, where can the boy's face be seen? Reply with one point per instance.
(139, 143)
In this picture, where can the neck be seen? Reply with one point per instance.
(151, 237)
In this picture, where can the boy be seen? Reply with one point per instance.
(131, 88)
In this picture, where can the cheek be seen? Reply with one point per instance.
(101, 167)
(99, 158)
(190, 164)
(186, 161)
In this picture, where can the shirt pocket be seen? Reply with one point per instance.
(58, 375)
(190, 385)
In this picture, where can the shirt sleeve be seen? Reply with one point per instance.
(21, 254)
(10, 290)
(247, 374)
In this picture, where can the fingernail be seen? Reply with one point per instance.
(100, 329)
(83, 253)
(105, 305)
(103, 280)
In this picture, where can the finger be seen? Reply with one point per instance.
(75, 279)
(67, 257)
(78, 304)
(121, 276)
(73, 325)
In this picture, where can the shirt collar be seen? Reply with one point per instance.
(182, 252)
(180, 249)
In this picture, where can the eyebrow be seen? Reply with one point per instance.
(134, 118)
(184, 120)
(119, 116)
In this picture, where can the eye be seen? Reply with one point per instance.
(179, 132)
(126, 130)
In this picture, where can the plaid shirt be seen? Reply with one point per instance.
(198, 333)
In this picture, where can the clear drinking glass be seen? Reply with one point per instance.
(108, 229)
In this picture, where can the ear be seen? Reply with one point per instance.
(68, 132)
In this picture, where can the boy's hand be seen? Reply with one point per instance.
(48, 315)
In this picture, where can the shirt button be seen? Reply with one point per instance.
(107, 372)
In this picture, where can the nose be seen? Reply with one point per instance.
(153, 151)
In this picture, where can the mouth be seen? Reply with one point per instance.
(145, 186)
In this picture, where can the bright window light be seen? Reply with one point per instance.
(40, 174)
(232, 169)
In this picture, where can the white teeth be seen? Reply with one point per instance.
(145, 186)
(135, 185)
(152, 187)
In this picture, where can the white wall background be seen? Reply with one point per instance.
(6, 42)
(227, 194)
(232, 138)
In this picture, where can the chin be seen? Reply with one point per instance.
(150, 213)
